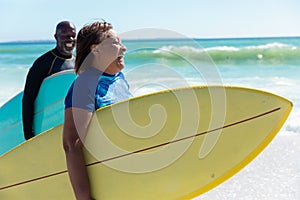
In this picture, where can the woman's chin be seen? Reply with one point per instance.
(121, 65)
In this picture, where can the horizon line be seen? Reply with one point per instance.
(157, 38)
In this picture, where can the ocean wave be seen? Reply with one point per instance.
(268, 54)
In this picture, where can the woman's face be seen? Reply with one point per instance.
(111, 54)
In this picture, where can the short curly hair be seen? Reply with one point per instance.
(88, 35)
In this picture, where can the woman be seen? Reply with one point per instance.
(100, 82)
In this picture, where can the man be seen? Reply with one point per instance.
(58, 59)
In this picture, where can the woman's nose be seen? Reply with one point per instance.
(123, 47)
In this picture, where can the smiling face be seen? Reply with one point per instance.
(118, 64)
(65, 38)
(109, 54)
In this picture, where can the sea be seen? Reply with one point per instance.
(271, 64)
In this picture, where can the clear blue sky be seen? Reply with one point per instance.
(36, 19)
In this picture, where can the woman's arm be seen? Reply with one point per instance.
(75, 129)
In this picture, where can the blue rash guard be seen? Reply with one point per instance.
(94, 89)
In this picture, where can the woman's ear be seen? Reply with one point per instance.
(94, 48)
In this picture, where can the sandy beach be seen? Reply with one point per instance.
(274, 174)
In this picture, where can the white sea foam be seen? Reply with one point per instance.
(271, 45)
(223, 48)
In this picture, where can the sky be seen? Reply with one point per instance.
(36, 19)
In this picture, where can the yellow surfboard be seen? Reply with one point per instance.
(175, 144)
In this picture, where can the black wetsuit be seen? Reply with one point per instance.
(46, 65)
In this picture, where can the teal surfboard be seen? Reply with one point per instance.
(49, 108)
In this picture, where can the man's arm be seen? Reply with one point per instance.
(34, 79)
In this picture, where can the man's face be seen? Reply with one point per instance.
(65, 39)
